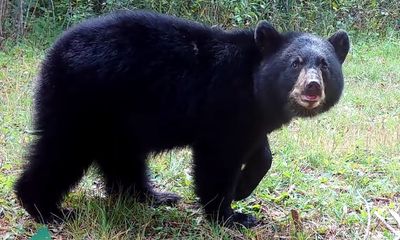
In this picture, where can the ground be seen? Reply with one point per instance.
(331, 178)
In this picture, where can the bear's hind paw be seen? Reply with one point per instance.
(245, 220)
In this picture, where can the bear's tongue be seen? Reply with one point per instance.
(311, 97)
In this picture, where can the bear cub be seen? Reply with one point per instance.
(114, 89)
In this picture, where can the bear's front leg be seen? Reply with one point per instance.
(217, 168)
(253, 170)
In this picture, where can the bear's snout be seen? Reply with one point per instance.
(308, 91)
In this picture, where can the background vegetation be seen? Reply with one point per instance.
(41, 20)
(336, 176)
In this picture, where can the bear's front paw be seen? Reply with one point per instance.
(163, 198)
(243, 219)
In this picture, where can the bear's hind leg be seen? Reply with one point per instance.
(56, 164)
(125, 171)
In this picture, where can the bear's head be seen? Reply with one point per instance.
(300, 72)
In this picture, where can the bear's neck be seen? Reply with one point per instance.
(234, 58)
(238, 58)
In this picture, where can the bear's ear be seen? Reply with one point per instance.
(341, 43)
(266, 37)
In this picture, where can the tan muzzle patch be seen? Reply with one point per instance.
(309, 90)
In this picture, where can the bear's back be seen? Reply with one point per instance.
(125, 40)
(143, 67)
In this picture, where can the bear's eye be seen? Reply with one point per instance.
(296, 63)
(323, 64)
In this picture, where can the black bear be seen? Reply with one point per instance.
(117, 88)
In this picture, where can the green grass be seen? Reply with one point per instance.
(335, 170)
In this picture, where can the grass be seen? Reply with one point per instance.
(335, 171)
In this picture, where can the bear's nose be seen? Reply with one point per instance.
(313, 88)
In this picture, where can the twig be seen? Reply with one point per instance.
(368, 229)
(33, 131)
(396, 216)
(383, 199)
(296, 220)
(397, 233)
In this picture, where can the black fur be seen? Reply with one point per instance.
(114, 89)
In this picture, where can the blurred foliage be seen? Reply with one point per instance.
(44, 19)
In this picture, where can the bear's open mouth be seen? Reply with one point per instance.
(310, 98)
(306, 105)
(311, 92)
(309, 101)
